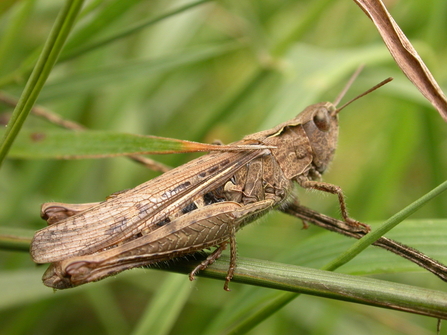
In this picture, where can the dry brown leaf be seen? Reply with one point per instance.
(404, 54)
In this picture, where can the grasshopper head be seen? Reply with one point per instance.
(320, 123)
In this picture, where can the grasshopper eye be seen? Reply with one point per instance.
(321, 119)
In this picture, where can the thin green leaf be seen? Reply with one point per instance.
(305, 24)
(24, 287)
(73, 50)
(107, 309)
(161, 313)
(327, 284)
(364, 242)
(7, 42)
(132, 70)
(81, 50)
(62, 144)
(427, 236)
(110, 12)
(15, 238)
(47, 59)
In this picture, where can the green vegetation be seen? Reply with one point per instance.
(206, 70)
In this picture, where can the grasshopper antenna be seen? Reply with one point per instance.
(348, 84)
(383, 82)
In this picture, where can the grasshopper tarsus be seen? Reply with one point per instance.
(208, 261)
(227, 283)
(305, 225)
(215, 255)
(336, 190)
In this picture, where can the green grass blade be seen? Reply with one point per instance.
(7, 43)
(303, 25)
(23, 287)
(161, 313)
(86, 81)
(111, 12)
(62, 144)
(107, 309)
(427, 236)
(370, 238)
(47, 59)
(15, 239)
(76, 51)
(328, 284)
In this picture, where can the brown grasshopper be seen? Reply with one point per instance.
(195, 206)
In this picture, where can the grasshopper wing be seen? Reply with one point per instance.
(143, 209)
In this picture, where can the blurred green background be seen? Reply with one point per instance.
(221, 70)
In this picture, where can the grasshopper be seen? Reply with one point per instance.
(198, 205)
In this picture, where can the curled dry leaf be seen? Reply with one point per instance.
(404, 53)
